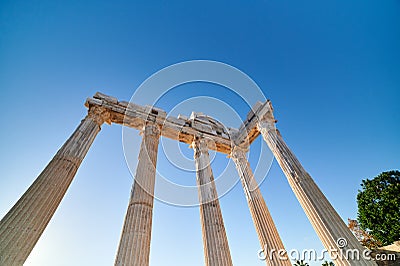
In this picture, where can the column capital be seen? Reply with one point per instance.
(199, 146)
(151, 129)
(238, 152)
(99, 115)
(266, 125)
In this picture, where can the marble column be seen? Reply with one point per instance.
(331, 229)
(215, 242)
(268, 235)
(23, 225)
(134, 245)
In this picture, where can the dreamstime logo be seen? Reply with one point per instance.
(333, 253)
(341, 242)
(157, 89)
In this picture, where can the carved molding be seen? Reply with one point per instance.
(238, 153)
(266, 125)
(200, 146)
(99, 115)
(151, 129)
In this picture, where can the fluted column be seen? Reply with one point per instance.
(267, 233)
(326, 222)
(22, 226)
(215, 242)
(134, 245)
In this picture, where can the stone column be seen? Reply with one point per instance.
(331, 229)
(22, 226)
(267, 233)
(215, 242)
(134, 245)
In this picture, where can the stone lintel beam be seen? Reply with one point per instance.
(182, 128)
(248, 131)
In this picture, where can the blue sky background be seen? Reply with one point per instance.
(331, 69)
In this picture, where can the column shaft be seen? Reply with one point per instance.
(23, 225)
(266, 230)
(215, 242)
(134, 246)
(323, 217)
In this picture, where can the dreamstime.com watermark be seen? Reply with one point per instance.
(324, 254)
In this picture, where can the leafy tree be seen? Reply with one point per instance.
(365, 238)
(379, 207)
(328, 263)
(301, 263)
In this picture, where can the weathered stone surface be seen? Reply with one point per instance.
(323, 217)
(265, 226)
(134, 246)
(182, 128)
(22, 226)
(183, 117)
(248, 131)
(105, 97)
(177, 121)
(215, 242)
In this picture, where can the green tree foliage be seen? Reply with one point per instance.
(328, 263)
(365, 238)
(379, 207)
(300, 263)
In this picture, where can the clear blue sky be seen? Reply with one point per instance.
(331, 69)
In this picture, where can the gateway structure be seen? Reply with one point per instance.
(23, 225)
